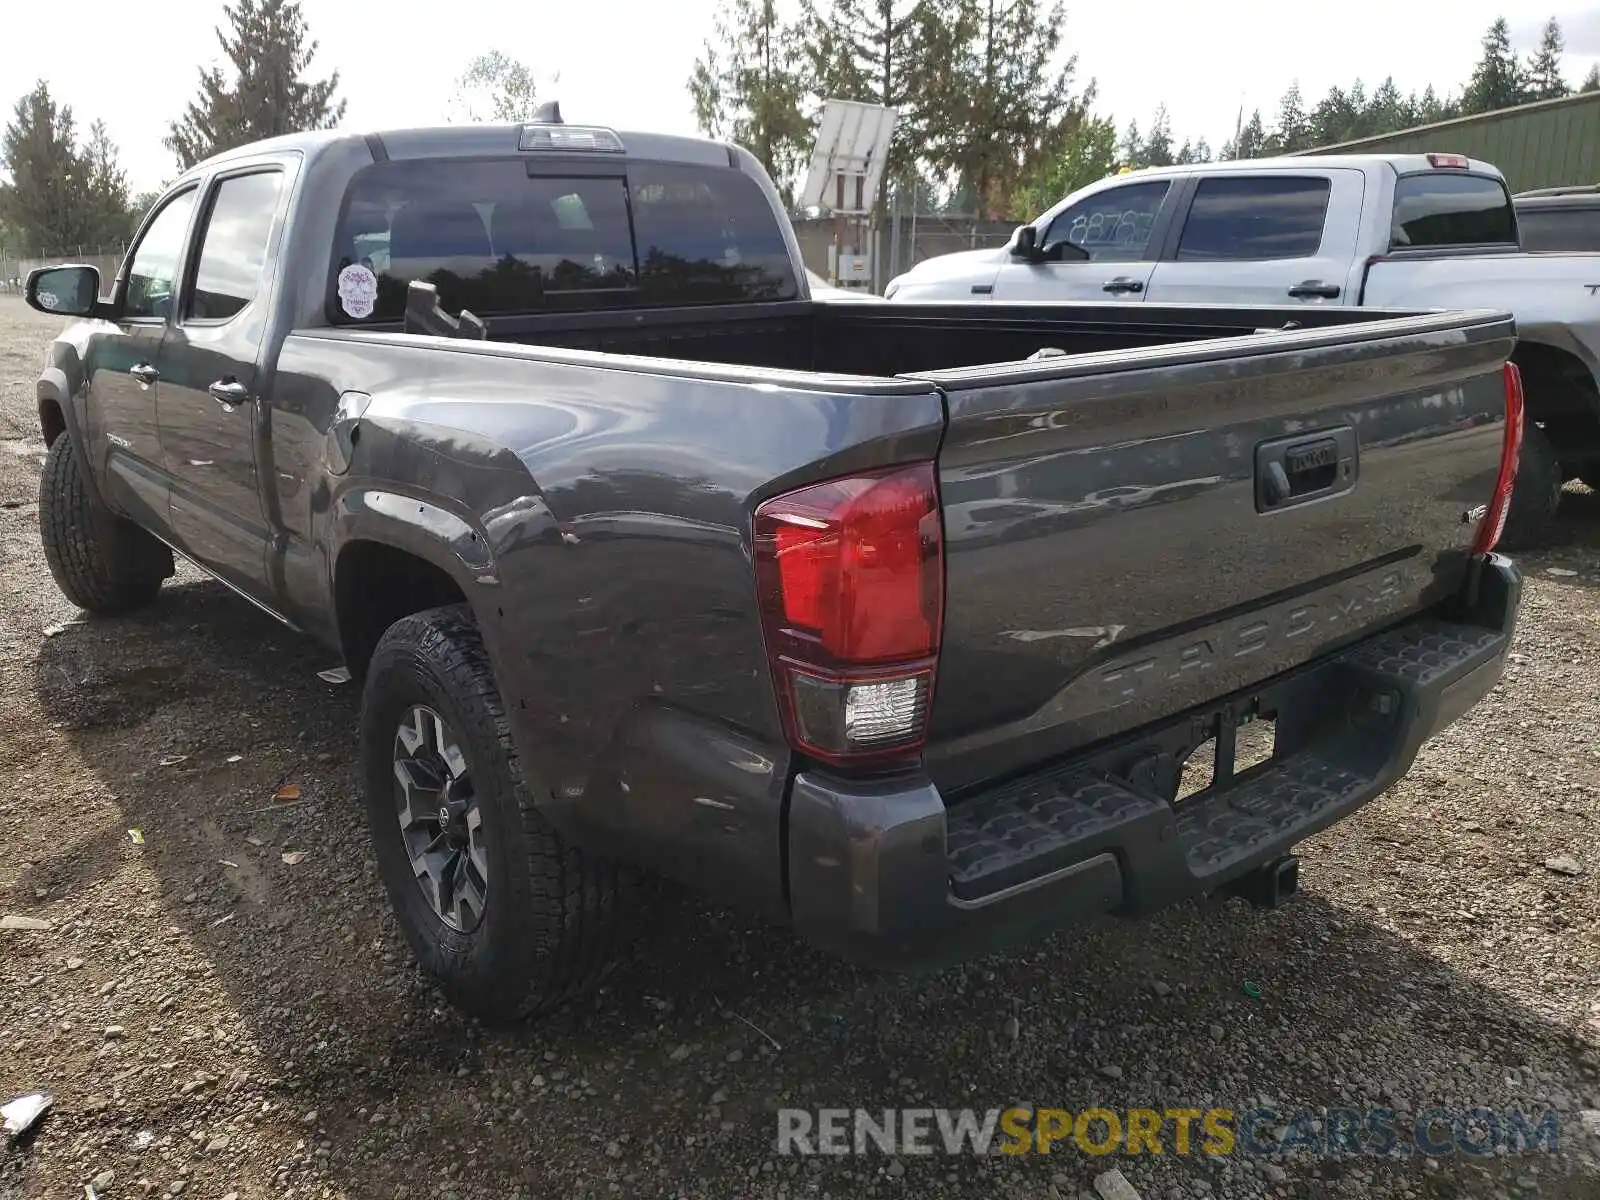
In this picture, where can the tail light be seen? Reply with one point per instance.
(1458, 162)
(1494, 520)
(850, 575)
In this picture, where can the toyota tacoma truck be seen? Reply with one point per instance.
(901, 624)
(1416, 231)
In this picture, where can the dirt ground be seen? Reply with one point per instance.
(215, 1022)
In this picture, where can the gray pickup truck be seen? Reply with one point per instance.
(919, 627)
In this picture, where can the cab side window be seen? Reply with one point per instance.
(1112, 226)
(233, 248)
(153, 273)
(1240, 218)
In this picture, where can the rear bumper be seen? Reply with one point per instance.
(886, 872)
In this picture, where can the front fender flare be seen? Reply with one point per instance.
(55, 389)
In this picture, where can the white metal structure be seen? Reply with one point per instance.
(848, 160)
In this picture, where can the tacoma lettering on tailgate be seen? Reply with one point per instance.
(1271, 639)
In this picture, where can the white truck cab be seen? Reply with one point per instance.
(1418, 231)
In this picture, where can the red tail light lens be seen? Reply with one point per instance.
(851, 580)
(1494, 520)
(1457, 162)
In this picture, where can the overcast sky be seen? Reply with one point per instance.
(624, 62)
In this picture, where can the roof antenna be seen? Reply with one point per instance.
(548, 113)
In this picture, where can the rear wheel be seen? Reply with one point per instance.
(1589, 473)
(100, 562)
(507, 918)
(1536, 495)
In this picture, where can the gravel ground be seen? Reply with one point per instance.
(213, 1020)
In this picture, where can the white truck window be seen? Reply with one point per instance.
(1438, 208)
(1244, 218)
(1114, 225)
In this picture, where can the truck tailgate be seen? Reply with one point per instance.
(1135, 533)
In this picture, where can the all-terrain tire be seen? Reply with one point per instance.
(100, 562)
(1531, 521)
(553, 917)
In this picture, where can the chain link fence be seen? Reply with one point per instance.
(14, 267)
(903, 241)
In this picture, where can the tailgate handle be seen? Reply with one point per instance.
(1305, 467)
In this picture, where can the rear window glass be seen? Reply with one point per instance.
(1559, 228)
(1255, 217)
(1438, 208)
(494, 239)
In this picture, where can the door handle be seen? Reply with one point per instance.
(144, 373)
(1315, 288)
(1123, 283)
(229, 392)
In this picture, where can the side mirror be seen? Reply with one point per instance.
(1024, 244)
(64, 291)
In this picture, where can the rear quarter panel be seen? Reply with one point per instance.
(1554, 297)
(596, 512)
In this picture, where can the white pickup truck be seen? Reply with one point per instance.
(1412, 231)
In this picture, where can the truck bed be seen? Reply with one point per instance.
(883, 340)
(1109, 558)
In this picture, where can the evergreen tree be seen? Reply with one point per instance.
(1007, 95)
(1387, 110)
(1081, 150)
(1497, 79)
(1157, 148)
(268, 52)
(1293, 130)
(1429, 109)
(1591, 81)
(754, 90)
(1130, 150)
(105, 190)
(1543, 73)
(143, 203)
(1334, 118)
(63, 196)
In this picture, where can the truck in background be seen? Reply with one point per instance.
(1415, 231)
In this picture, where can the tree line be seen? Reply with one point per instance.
(990, 123)
(993, 120)
(1499, 80)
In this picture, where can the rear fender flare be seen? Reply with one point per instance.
(417, 525)
(1561, 340)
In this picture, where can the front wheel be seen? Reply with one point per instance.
(101, 563)
(1537, 493)
(508, 919)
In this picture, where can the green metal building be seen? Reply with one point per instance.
(1550, 143)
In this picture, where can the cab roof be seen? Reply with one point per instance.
(474, 141)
